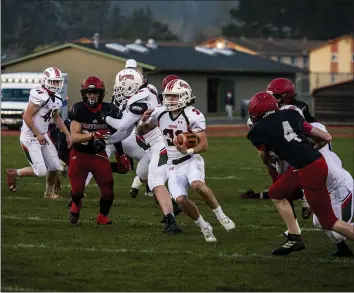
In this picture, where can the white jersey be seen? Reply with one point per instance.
(189, 120)
(136, 106)
(48, 106)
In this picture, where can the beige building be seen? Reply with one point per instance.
(332, 62)
(78, 61)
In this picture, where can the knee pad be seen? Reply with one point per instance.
(40, 170)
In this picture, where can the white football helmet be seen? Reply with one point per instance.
(52, 79)
(152, 89)
(177, 95)
(128, 82)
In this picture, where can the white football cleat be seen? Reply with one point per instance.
(227, 224)
(208, 233)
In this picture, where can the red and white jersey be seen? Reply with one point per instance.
(189, 120)
(48, 106)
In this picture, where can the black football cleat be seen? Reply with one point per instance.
(171, 226)
(74, 217)
(133, 192)
(249, 194)
(293, 243)
(343, 250)
(306, 212)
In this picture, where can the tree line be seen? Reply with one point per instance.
(36, 24)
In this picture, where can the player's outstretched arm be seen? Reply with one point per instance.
(119, 135)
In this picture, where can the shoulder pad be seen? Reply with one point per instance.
(292, 107)
(38, 96)
(138, 108)
(140, 95)
(74, 110)
(192, 111)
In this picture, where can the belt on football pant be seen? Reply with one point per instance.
(181, 160)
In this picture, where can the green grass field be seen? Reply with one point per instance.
(41, 251)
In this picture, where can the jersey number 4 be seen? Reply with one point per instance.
(49, 115)
(289, 133)
(170, 135)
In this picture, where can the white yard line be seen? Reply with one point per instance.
(219, 255)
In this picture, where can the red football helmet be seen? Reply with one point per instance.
(261, 104)
(283, 90)
(93, 84)
(167, 79)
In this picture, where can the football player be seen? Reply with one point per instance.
(131, 86)
(284, 92)
(284, 133)
(186, 166)
(88, 131)
(43, 106)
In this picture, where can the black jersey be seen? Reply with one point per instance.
(59, 140)
(283, 133)
(91, 120)
(305, 110)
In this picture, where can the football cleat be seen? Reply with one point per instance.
(103, 220)
(49, 193)
(171, 226)
(227, 224)
(249, 194)
(133, 192)
(208, 233)
(11, 175)
(343, 250)
(74, 213)
(293, 243)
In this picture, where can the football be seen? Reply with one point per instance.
(192, 139)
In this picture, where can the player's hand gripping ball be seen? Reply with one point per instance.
(191, 139)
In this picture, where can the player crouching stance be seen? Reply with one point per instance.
(186, 166)
(284, 133)
(88, 131)
(43, 105)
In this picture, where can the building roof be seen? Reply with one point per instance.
(273, 46)
(167, 57)
(333, 85)
(329, 42)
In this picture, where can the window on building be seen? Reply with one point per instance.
(333, 77)
(280, 59)
(334, 57)
(306, 60)
(293, 60)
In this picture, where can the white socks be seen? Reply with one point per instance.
(219, 213)
(136, 182)
(201, 223)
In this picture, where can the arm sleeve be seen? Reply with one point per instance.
(125, 123)
(120, 135)
(307, 127)
(197, 122)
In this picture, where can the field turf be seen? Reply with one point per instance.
(41, 251)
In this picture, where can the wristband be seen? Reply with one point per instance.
(190, 151)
